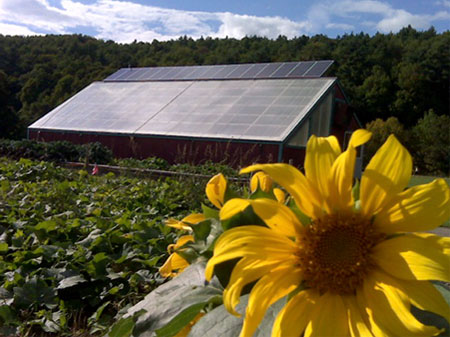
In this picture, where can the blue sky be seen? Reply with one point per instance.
(128, 20)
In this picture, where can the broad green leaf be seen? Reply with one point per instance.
(47, 226)
(34, 292)
(70, 281)
(122, 328)
(202, 230)
(7, 315)
(172, 298)
(209, 212)
(3, 247)
(180, 321)
(219, 322)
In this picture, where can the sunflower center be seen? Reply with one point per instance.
(335, 252)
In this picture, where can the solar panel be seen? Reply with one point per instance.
(222, 72)
(301, 69)
(285, 69)
(238, 71)
(254, 70)
(269, 70)
(318, 69)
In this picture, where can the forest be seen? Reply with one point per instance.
(403, 76)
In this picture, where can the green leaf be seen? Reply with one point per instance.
(172, 298)
(34, 292)
(47, 226)
(70, 281)
(7, 315)
(244, 218)
(180, 321)
(302, 217)
(219, 322)
(259, 193)
(122, 328)
(202, 229)
(3, 247)
(355, 190)
(209, 212)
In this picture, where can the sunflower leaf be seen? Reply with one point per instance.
(187, 289)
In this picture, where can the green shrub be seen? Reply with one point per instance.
(431, 143)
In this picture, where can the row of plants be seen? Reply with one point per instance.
(76, 249)
(58, 151)
(64, 151)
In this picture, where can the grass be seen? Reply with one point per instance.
(418, 180)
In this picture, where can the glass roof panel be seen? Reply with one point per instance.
(266, 109)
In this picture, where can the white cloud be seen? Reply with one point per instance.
(238, 26)
(383, 17)
(125, 21)
(10, 29)
(445, 3)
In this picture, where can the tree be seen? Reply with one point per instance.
(380, 132)
(431, 142)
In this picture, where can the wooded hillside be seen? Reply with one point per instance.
(404, 75)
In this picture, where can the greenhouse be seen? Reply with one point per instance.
(233, 113)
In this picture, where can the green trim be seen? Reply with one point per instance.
(220, 140)
(333, 111)
(280, 152)
(357, 120)
(295, 147)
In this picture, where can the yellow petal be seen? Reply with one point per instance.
(328, 306)
(269, 289)
(174, 223)
(412, 257)
(368, 315)
(262, 180)
(174, 264)
(295, 183)
(251, 241)
(391, 307)
(246, 271)
(386, 175)
(280, 195)
(419, 208)
(215, 190)
(194, 218)
(186, 222)
(444, 242)
(425, 296)
(359, 137)
(341, 181)
(277, 216)
(319, 159)
(233, 207)
(183, 240)
(295, 315)
(356, 318)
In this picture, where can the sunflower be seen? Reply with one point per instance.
(175, 264)
(264, 182)
(357, 264)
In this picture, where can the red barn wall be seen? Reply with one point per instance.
(174, 150)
